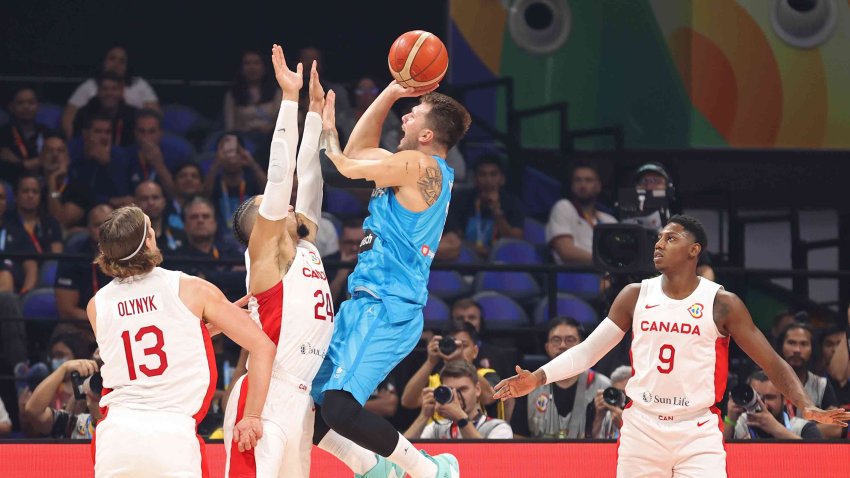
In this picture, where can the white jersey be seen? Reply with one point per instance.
(297, 314)
(156, 353)
(679, 359)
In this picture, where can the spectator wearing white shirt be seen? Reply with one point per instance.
(138, 93)
(5, 421)
(463, 416)
(569, 231)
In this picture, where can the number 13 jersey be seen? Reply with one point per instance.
(156, 353)
(297, 314)
(679, 359)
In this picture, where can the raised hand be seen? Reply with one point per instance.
(317, 93)
(290, 81)
(835, 416)
(399, 91)
(328, 112)
(517, 386)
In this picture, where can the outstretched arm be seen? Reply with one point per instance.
(732, 315)
(309, 202)
(366, 136)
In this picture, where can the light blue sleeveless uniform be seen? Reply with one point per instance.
(382, 322)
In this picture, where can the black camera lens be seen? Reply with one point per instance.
(96, 383)
(447, 345)
(613, 396)
(744, 396)
(443, 394)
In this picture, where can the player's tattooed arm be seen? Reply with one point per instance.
(430, 183)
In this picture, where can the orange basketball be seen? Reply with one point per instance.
(418, 59)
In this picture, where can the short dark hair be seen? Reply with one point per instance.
(448, 118)
(20, 89)
(80, 347)
(493, 159)
(353, 223)
(195, 200)
(780, 339)
(245, 213)
(17, 187)
(459, 369)
(758, 375)
(149, 113)
(90, 120)
(584, 164)
(54, 134)
(458, 327)
(107, 75)
(565, 320)
(692, 225)
(188, 164)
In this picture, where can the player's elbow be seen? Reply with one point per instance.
(262, 348)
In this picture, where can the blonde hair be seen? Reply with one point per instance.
(119, 236)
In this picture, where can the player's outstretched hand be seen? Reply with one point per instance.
(247, 432)
(317, 93)
(328, 112)
(835, 416)
(290, 81)
(517, 386)
(399, 91)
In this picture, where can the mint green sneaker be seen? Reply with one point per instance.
(383, 469)
(447, 465)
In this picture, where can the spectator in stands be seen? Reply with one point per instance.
(384, 400)
(466, 343)
(42, 230)
(202, 241)
(5, 421)
(781, 322)
(365, 92)
(484, 214)
(188, 183)
(836, 359)
(306, 56)
(463, 415)
(609, 418)
(562, 409)
(772, 422)
(77, 281)
(569, 231)
(67, 200)
(795, 346)
(252, 103)
(102, 167)
(489, 356)
(76, 419)
(233, 177)
(22, 139)
(150, 158)
(13, 239)
(137, 92)
(349, 247)
(109, 103)
(151, 200)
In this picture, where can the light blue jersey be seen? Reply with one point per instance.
(396, 254)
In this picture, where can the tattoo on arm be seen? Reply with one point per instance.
(721, 308)
(329, 140)
(430, 184)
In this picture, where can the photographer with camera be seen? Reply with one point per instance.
(756, 412)
(460, 343)
(78, 417)
(610, 403)
(457, 400)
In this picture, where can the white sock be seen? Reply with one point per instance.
(413, 462)
(359, 459)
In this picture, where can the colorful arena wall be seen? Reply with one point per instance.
(675, 74)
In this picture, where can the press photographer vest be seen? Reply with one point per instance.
(543, 418)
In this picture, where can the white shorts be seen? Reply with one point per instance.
(284, 449)
(135, 443)
(680, 447)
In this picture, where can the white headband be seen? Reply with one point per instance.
(144, 236)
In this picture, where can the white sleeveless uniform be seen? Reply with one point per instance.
(297, 314)
(679, 362)
(158, 379)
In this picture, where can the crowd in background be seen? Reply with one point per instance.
(111, 146)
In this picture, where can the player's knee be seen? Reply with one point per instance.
(339, 408)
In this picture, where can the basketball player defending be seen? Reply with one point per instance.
(287, 278)
(382, 321)
(158, 369)
(681, 325)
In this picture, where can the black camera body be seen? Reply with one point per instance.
(744, 396)
(95, 382)
(443, 394)
(614, 397)
(447, 345)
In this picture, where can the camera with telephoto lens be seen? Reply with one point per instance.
(447, 345)
(95, 384)
(443, 394)
(614, 397)
(747, 398)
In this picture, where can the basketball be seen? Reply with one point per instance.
(418, 59)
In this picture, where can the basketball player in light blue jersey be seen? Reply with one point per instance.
(382, 322)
